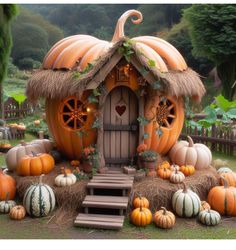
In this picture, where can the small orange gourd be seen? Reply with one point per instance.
(141, 201)
(74, 163)
(164, 173)
(187, 170)
(230, 178)
(164, 218)
(164, 164)
(17, 213)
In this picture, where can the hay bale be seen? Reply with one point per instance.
(159, 192)
(69, 199)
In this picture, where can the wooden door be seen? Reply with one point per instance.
(120, 127)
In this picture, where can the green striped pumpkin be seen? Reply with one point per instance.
(186, 203)
(6, 206)
(209, 217)
(39, 199)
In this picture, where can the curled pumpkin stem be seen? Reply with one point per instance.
(190, 141)
(164, 210)
(225, 182)
(119, 30)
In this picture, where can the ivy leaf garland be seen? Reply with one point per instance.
(96, 123)
(126, 50)
(159, 131)
(143, 120)
(145, 136)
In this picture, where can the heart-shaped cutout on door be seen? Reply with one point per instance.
(120, 109)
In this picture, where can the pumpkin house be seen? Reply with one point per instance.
(114, 94)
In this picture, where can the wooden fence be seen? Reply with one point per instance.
(13, 110)
(218, 139)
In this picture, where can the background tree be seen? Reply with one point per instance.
(179, 37)
(32, 38)
(213, 34)
(7, 12)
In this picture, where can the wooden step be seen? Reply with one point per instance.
(114, 202)
(111, 178)
(103, 185)
(114, 175)
(99, 221)
(110, 181)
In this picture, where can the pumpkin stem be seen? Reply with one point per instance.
(141, 208)
(190, 141)
(225, 182)
(119, 30)
(23, 143)
(7, 197)
(164, 210)
(41, 178)
(33, 153)
(185, 189)
(176, 170)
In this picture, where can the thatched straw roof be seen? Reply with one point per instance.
(59, 84)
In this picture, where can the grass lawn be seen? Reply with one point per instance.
(184, 229)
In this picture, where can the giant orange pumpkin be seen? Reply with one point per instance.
(74, 115)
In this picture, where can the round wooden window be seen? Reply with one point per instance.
(165, 113)
(73, 113)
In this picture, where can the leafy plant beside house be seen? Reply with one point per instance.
(221, 112)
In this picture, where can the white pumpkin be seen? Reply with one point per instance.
(209, 217)
(7, 205)
(173, 167)
(177, 176)
(189, 153)
(45, 143)
(39, 199)
(186, 203)
(224, 170)
(14, 155)
(63, 180)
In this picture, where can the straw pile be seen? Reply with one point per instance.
(159, 191)
(68, 199)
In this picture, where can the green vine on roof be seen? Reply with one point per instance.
(78, 74)
(126, 50)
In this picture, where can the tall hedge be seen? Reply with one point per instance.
(7, 12)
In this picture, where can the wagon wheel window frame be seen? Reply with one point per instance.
(73, 113)
(165, 113)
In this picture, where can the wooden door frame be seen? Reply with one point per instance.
(100, 137)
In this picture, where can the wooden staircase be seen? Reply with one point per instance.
(108, 199)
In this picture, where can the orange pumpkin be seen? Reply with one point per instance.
(75, 163)
(141, 216)
(65, 170)
(223, 199)
(187, 170)
(164, 164)
(230, 178)
(71, 115)
(141, 201)
(7, 186)
(35, 164)
(164, 173)
(204, 206)
(17, 213)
